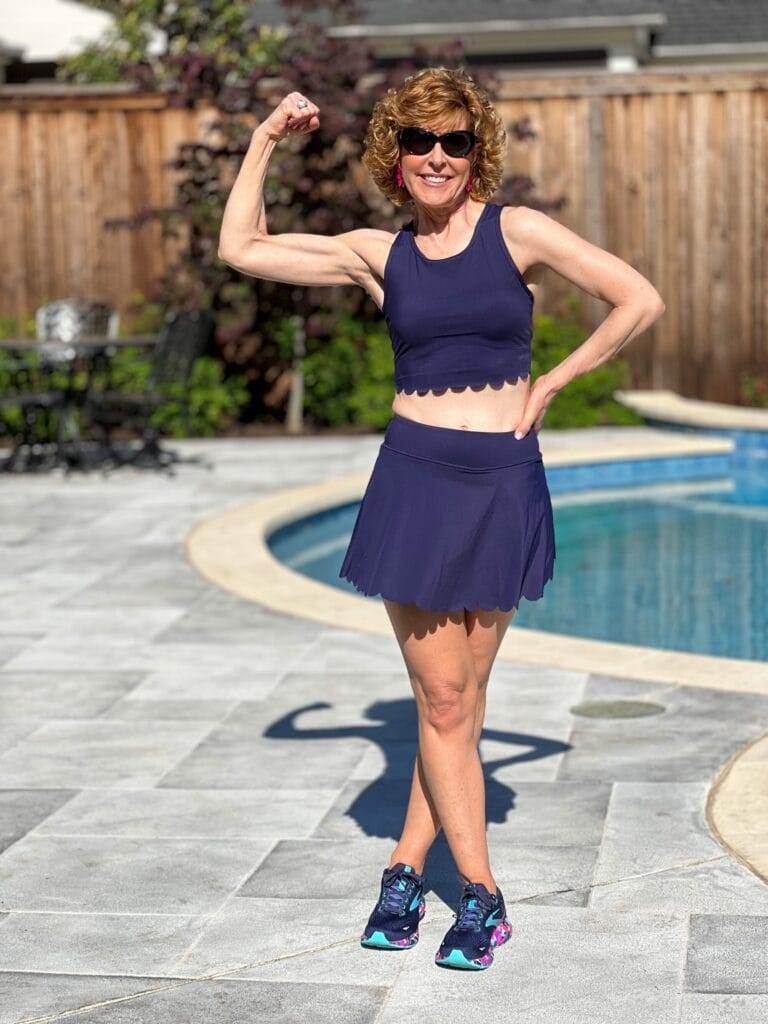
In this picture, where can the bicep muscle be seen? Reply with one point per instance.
(299, 258)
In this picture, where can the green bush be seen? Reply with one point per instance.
(32, 377)
(753, 388)
(587, 401)
(348, 379)
(142, 315)
(212, 402)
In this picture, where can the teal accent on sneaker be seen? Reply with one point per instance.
(416, 900)
(380, 941)
(494, 918)
(457, 959)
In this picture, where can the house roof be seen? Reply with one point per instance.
(687, 22)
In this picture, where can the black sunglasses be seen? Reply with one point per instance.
(419, 141)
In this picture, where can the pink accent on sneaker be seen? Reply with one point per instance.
(501, 933)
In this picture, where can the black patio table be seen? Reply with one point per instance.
(94, 352)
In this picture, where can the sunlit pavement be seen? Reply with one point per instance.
(198, 795)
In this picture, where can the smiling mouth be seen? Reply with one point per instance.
(435, 179)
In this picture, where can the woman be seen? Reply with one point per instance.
(456, 523)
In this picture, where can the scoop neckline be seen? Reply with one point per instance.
(467, 247)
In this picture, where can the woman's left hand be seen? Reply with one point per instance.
(541, 394)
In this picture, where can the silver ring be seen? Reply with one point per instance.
(302, 103)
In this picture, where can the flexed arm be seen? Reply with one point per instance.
(294, 258)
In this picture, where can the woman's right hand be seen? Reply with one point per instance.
(288, 118)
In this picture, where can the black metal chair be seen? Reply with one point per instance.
(185, 336)
(56, 324)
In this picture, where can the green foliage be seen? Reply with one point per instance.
(209, 404)
(25, 371)
(11, 420)
(587, 401)
(126, 43)
(158, 43)
(142, 316)
(349, 378)
(11, 328)
(753, 388)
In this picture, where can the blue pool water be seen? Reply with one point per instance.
(680, 567)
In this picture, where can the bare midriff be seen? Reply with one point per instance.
(494, 407)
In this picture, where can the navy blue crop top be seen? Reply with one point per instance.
(462, 321)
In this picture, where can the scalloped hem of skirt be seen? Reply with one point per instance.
(469, 606)
(458, 388)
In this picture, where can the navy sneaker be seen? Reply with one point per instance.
(394, 921)
(481, 924)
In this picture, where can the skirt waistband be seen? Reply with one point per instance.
(467, 449)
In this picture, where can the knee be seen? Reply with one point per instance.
(448, 705)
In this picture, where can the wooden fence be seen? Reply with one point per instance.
(664, 168)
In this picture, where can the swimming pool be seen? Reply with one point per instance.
(679, 566)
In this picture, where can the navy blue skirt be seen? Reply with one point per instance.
(453, 519)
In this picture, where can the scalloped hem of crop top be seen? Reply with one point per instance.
(402, 389)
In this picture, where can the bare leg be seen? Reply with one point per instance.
(451, 703)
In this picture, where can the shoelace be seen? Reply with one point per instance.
(397, 892)
(471, 912)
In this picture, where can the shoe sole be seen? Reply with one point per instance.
(455, 958)
(378, 940)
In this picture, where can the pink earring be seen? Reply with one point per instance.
(468, 186)
(399, 177)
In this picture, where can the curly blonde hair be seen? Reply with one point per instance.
(428, 97)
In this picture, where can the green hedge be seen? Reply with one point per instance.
(588, 400)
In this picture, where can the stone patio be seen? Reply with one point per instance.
(198, 795)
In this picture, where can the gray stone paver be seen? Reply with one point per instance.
(566, 964)
(717, 1008)
(126, 874)
(728, 953)
(197, 795)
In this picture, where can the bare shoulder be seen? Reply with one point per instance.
(372, 246)
(521, 228)
(543, 241)
(528, 228)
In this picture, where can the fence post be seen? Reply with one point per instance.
(294, 421)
